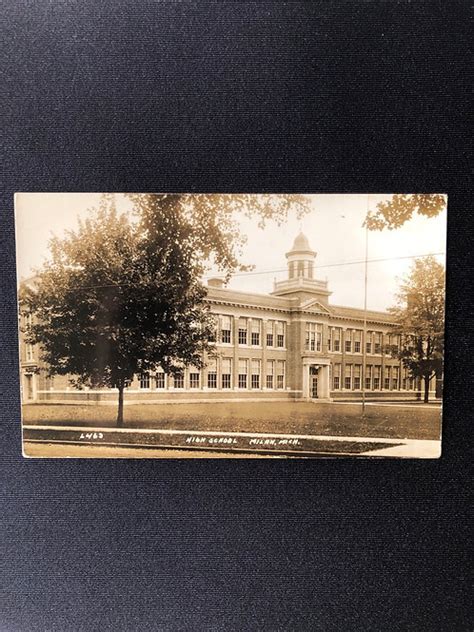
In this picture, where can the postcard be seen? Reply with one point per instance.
(178, 325)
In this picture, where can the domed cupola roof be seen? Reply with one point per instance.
(301, 246)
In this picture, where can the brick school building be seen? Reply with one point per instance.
(290, 344)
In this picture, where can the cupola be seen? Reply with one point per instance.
(301, 283)
(301, 258)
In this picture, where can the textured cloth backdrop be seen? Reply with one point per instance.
(237, 96)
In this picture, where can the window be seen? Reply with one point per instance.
(337, 339)
(255, 333)
(243, 370)
(280, 374)
(348, 376)
(396, 344)
(319, 337)
(378, 343)
(212, 373)
(395, 377)
(377, 370)
(212, 380)
(242, 331)
(255, 375)
(310, 270)
(391, 347)
(29, 349)
(329, 340)
(348, 341)
(368, 377)
(386, 382)
(270, 369)
(213, 330)
(310, 340)
(178, 381)
(357, 374)
(292, 269)
(194, 379)
(368, 344)
(270, 333)
(406, 379)
(226, 372)
(357, 340)
(336, 378)
(300, 268)
(145, 380)
(393, 344)
(226, 329)
(280, 333)
(313, 337)
(160, 379)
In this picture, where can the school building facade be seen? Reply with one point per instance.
(292, 344)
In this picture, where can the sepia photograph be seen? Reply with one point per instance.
(181, 325)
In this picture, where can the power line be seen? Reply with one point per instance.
(329, 265)
(335, 265)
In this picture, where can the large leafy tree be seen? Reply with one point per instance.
(210, 220)
(122, 294)
(420, 317)
(398, 209)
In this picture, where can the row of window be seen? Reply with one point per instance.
(373, 378)
(249, 332)
(249, 374)
(353, 341)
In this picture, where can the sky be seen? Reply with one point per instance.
(333, 227)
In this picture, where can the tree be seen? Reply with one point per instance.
(420, 317)
(394, 212)
(210, 220)
(121, 295)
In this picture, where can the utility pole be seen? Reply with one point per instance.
(364, 348)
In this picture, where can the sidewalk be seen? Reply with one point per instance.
(47, 440)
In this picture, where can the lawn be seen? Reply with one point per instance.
(396, 422)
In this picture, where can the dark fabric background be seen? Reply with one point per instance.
(141, 95)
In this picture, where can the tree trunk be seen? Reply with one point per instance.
(120, 407)
(427, 388)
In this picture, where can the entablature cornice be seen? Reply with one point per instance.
(264, 308)
(328, 316)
